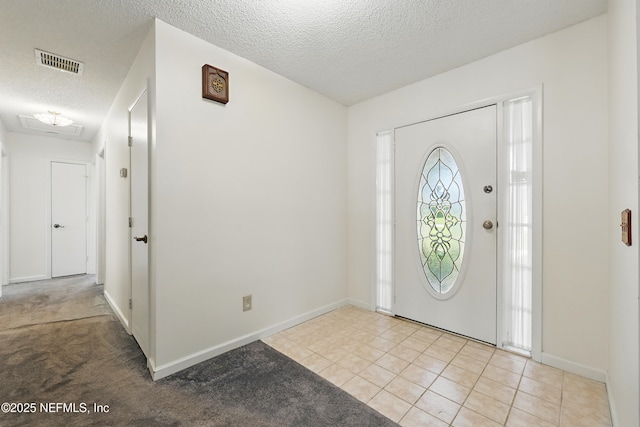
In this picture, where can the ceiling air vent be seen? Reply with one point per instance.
(51, 60)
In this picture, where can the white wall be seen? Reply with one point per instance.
(247, 198)
(4, 210)
(113, 139)
(572, 66)
(623, 377)
(30, 159)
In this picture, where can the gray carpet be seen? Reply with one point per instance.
(91, 360)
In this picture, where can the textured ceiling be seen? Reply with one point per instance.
(349, 50)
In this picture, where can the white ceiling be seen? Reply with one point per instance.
(349, 50)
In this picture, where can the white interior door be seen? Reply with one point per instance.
(68, 219)
(140, 222)
(445, 210)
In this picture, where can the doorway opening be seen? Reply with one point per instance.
(519, 222)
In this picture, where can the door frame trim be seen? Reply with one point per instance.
(49, 201)
(150, 341)
(536, 94)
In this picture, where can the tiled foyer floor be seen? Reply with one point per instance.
(420, 376)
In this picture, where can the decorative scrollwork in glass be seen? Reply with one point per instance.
(441, 220)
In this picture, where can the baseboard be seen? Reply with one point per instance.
(359, 304)
(158, 372)
(28, 279)
(574, 367)
(123, 319)
(612, 404)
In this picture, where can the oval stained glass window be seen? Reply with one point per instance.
(441, 220)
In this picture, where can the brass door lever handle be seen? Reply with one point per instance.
(141, 239)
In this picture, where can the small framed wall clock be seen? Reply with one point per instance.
(215, 84)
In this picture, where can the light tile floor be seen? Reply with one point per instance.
(420, 376)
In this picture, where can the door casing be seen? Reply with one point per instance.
(536, 94)
(139, 221)
(69, 239)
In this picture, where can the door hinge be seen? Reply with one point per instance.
(130, 141)
(130, 304)
(130, 222)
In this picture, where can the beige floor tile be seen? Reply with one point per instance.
(406, 327)
(431, 363)
(297, 353)
(406, 390)
(354, 363)
(319, 345)
(542, 373)
(480, 346)
(501, 376)
(418, 375)
(544, 391)
(336, 374)
(392, 363)
(468, 363)
(377, 375)
(438, 406)
(455, 337)
(381, 344)
(449, 343)
(348, 344)
(375, 328)
(450, 389)
(427, 335)
(477, 353)
(578, 390)
(415, 344)
(404, 353)
(495, 390)
(362, 336)
(361, 389)
(316, 363)
(468, 418)
(394, 336)
(389, 405)
(504, 361)
(460, 376)
(518, 418)
(332, 353)
(367, 352)
(578, 383)
(584, 417)
(538, 407)
(419, 418)
(490, 408)
(440, 353)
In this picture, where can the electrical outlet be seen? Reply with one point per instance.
(246, 303)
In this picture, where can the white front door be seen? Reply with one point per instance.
(68, 219)
(140, 223)
(445, 210)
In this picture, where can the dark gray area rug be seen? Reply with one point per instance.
(71, 369)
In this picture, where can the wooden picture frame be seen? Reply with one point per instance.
(215, 84)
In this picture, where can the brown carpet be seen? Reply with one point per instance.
(79, 355)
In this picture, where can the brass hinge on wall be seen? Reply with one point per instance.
(130, 304)
(130, 222)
